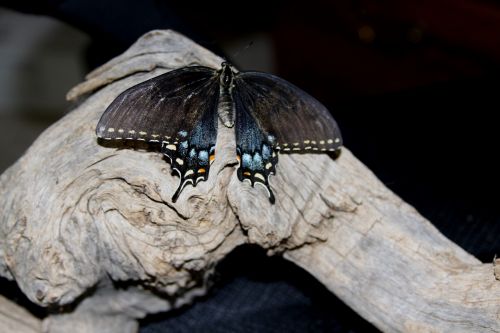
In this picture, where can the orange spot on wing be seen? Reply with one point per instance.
(201, 170)
(212, 158)
(246, 173)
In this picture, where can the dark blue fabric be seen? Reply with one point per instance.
(257, 293)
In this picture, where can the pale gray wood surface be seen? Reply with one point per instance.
(75, 215)
(14, 318)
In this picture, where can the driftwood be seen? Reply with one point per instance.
(92, 230)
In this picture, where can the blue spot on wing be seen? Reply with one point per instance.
(203, 156)
(266, 152)
(246, 161)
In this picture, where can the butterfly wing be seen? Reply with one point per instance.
(273, 114)
(177, 109)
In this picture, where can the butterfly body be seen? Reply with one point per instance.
(180, 110)
(226, 105)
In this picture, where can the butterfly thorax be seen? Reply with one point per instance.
(226, 105)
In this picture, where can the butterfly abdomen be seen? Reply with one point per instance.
(226, 107)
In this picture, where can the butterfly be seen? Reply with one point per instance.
(180, 110)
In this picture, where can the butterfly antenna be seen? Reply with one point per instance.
(238, 52)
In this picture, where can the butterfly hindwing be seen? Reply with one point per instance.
(254, 147)
(192, 154)
(178, 110)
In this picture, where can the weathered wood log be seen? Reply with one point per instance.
(93, 230)
(14, 318)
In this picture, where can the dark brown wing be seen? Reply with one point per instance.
(177, 109)
(299, 122)
(157, 109)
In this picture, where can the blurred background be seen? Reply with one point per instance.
(413, 85)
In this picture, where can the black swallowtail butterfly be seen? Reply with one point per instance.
(180, 111)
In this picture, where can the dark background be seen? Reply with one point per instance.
(413, 85)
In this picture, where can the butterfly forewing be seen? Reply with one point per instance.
(299, 122)
(177, 109)
(154, 109)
